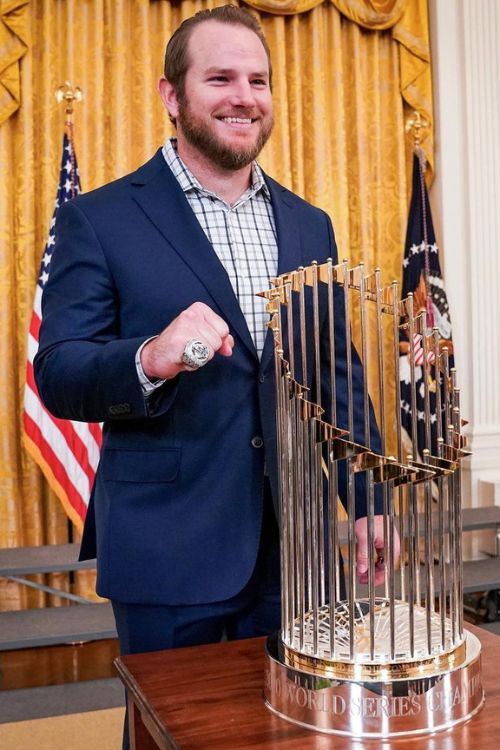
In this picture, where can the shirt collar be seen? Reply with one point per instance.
(188, 181)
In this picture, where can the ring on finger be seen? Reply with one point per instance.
(195, 354)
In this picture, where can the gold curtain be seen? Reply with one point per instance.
(408, 22)
(13, 45)
(342, 88)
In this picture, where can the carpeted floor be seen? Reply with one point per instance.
(83, 731)
(75, 716)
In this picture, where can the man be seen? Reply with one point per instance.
(151, 325)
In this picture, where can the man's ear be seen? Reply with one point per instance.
(168, 97)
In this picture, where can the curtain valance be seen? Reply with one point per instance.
(373, 14)
(13, 45)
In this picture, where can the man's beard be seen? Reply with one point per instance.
(227, 157)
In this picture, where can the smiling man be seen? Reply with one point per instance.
(151, 324)
(218, 92)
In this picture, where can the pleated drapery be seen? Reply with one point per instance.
(347, 72)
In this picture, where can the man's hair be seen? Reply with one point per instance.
(176, 54)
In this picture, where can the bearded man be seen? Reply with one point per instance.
(151, 325)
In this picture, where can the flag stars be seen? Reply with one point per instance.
(422, 248)
(44, 276)
(51, 240)
(67, 186)
(68, 166)
(46, 258)
(421, 264)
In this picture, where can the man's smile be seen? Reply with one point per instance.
(239, 122)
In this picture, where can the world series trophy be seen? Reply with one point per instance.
(366, 660)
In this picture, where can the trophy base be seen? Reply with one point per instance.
(375, 708)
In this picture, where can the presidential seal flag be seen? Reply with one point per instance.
(423, 278)
(66, 451)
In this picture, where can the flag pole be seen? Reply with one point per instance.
(415, 124)
(66, 93)
(66, 451)
(69, 95)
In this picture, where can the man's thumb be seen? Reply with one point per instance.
(362, 562)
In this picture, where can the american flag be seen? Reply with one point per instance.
(66, 451)
(422, 276)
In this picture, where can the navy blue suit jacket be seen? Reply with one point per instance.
(176, 509)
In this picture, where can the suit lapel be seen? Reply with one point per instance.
(160, 197)
(289, 248)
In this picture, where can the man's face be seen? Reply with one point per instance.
(225, 114)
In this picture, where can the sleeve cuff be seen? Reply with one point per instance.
(147, 385)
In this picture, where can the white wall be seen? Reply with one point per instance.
(465, 197)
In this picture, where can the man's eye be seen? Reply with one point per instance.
(259, 82)
(218, 79)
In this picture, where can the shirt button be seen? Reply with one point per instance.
(257, 442)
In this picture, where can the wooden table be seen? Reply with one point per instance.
(210, 698)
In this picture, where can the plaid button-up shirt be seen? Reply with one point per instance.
(242, 235)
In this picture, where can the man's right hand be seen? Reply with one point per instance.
(162, 356)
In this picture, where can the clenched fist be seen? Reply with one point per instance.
(162, 356)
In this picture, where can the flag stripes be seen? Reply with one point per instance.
(66, 451)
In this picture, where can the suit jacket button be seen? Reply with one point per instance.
(118, 409)
(262, 378)
(257, 442)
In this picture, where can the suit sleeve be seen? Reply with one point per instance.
(83, 369)
(341, 402)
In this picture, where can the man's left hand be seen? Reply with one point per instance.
(363, 554)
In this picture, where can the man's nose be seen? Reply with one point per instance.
(242, 94)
